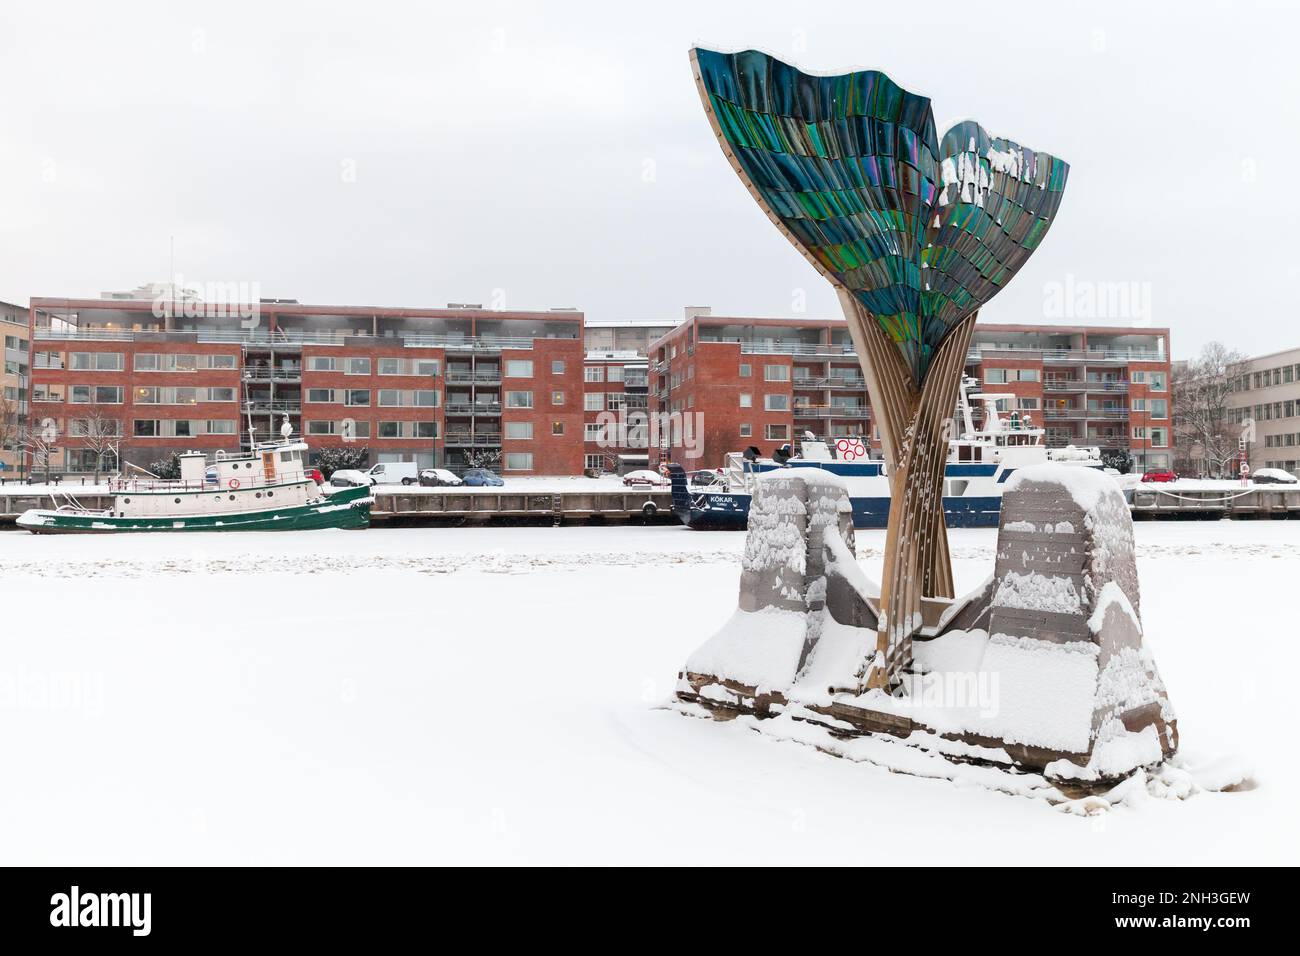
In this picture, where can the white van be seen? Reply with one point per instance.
(394, 472)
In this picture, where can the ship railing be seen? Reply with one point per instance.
(121, 486)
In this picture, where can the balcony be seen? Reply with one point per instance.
(479, 377)
(987, 353)
(466, 440)
(254, 374)
(1084, 414)
(832, 411)
(472, 408)
(273, 408)
(284, 338)
(795, 348)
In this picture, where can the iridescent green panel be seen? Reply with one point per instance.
(923, 233)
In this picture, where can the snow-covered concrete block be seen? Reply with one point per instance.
(783, 590)
(1065, 632)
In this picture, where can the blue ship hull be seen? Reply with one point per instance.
(728, 510)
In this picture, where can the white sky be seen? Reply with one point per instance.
(553, 154)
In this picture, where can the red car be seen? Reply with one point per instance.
(1160, 476)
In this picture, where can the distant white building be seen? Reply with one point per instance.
(1266, 395)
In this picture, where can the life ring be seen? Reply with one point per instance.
(234, 482)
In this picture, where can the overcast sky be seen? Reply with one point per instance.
(555, 154)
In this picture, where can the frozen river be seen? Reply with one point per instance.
(490, 694)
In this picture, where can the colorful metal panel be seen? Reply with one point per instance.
(921, 231)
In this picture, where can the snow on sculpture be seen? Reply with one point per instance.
(1041, 669)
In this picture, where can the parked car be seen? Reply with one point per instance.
(439, 477)
(481, 477)
(350, 477)
(1273, 476)
(384, 473)
(1160, 476)
(644, 479)
(395, 472)
(703, 478)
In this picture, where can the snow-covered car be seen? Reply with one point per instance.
(350, 478)
(481, 477)
(704, 478)
(1273, 476)
(644, 479)
(439, 477)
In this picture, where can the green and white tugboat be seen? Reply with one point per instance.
(264, 490)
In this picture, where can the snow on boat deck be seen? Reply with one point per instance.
(409, 695)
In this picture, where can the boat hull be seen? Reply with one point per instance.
(348, 508)
(724, 512)
(706, 510)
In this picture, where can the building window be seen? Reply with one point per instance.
(390, 366)
(390, 429)
(593, 401)
(746, 431)
(519, 399)
(1157, 383)
(1159, 408)
(557, 428)
(1158, 439)
(519, 461)
(425, 429)
(519, 368)
(746, 370)
(616, 400)
(358, 396)
(95, 361)
(776, 373)
(593, 431)
(995, 376)
(324, 396)
(146, 428)
(96, 394)
(777, 432)
(221, 426)
(358, 366)
(593, 373)
(557, 398)
(746, 400)
(557, 367)
(596, 462)
(320, 363)
(776, 403)
(519, 431)
(614, 373)
(320, 428)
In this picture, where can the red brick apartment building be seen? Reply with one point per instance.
(764, 382)
(427, 385)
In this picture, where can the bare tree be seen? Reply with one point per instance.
(1201, 389)
(40, 442)
(100, 433)
(12, 427)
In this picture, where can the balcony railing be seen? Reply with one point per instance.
(272, 374)
(290, 338)
(1082, 414)
(262, 408)
(461, 440)
(471, 378)
(472, 408)
(985, 353)
(832, 411)
(1084, 385)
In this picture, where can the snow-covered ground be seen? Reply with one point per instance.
(493, 695)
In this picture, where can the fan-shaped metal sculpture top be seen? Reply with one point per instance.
(921, 232)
